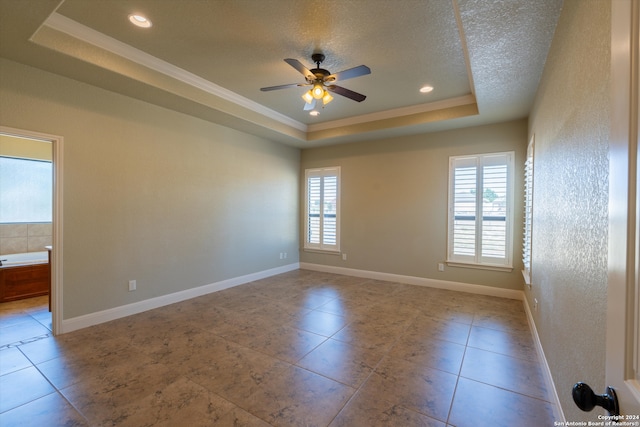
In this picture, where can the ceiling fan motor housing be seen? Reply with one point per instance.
(320, 73)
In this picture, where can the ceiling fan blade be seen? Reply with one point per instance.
(266, 89)
(311, 106)
(358, 71)
(346, 93)
(301, 68)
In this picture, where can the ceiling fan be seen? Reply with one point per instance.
(321, 81)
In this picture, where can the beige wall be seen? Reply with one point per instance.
(570, 120)
(153, 195)
(394, 201)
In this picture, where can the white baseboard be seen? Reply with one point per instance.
(420, 281)
(558, 413)
(91, 319)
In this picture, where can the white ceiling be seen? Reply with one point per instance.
(209, 58)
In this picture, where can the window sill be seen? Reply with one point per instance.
(493, 267)
(322, 251)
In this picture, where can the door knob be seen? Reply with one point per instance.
(586, 399)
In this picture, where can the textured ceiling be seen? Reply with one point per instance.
(210, 58)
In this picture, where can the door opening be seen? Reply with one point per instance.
(27, 149)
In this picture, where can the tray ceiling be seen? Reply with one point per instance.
(210, 59)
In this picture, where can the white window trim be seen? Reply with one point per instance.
(476, 260)
(321, 247)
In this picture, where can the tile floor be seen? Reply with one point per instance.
(298, 349)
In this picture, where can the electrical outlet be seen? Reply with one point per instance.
(344, 257)
(132, 285)
(535, 304)
(440, 266)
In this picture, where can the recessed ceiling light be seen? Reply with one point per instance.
(426, 89)
(315, 113)
(139, 20)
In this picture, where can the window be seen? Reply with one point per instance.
(528, 213)
(322, 209)
(480, 206)
(26, 190)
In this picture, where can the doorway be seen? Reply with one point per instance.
(56, 142)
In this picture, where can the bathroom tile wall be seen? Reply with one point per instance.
(24, 237)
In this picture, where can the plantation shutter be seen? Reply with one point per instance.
(494, 220)
(528, 214)
(322, 209)
(464, 209)
(480, 200)
(313, 208)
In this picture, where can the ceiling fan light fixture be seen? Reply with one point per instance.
(327, 98)
(308, 96)
(318, 91)
(314, 113)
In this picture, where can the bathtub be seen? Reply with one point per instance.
(24, 259)
(24, 276)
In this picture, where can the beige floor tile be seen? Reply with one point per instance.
(185, 351)
(447, 313)
(12, 359)
(102, 397)
(12, 316)
(516, 343)
(350, 309)
(181, 403)
(279, 313)
(388, 314)
(28, 327)
(371, 410)
(495, 318)
(519, 375)
(346, 363)
(309, 300)
(81, 365)
(373, 336)
(50, 410)
(42, 350)
(481, 405)
(243, 303)
(299, 348)
(238, 417)
(285, 343)
(416, 387)
(320, 322)
(427, 327)
(23, 386)
(237, 372)
(297, 397)
(419, 348)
